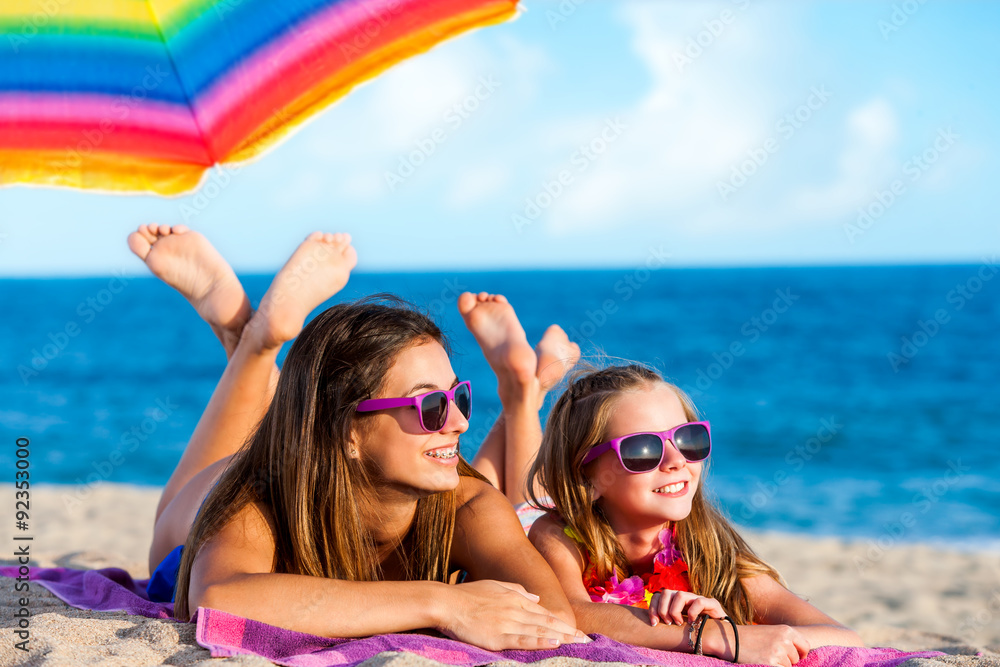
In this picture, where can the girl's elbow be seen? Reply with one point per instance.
(566, 615)
(853, 637)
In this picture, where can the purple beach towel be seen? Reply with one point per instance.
(224, 635)
(109, 589)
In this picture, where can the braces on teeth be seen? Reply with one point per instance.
(444, 453)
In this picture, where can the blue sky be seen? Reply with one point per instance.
(725, 134)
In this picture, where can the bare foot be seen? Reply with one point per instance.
(556, 355)
(186, 261)
(318, 269)
(492, 321)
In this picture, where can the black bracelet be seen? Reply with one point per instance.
(701, 629)
(736, 639)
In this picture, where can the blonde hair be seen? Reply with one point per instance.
(717, 557)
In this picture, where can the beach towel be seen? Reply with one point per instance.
(224, 635)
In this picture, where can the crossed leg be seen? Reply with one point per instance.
(524, 376)
(187, 262)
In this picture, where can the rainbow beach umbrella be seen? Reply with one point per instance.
(148, 95)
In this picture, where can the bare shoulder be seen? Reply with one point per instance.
(548, 535)
(245, 543)
(475, 495)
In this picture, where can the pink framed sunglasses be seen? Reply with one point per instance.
(432, 407)
(642, 452)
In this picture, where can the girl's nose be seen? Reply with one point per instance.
(456, 423)
(672, 459)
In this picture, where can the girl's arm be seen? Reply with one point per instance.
(232, 572)
(774, 645)
(620, 622)
(776, 605)
(490, 544)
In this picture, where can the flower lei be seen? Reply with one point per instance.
(670, 572)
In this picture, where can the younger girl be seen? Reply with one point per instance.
(623, 459)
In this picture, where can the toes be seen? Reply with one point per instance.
(164, 230)
(180, 229)
(139, 244)
(147, 233)
(315, 236)
(466, 302)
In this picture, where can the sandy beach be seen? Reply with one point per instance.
(911, 597)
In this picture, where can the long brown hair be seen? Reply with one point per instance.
(717, 557)
(296, 466)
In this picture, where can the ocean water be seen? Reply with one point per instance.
(859, 402)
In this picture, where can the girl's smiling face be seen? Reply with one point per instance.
(638, 501)
(399, 452)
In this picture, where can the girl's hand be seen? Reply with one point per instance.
(779, 645)
(673, 606)
(497, 615)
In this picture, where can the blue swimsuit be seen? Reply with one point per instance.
(162, 586)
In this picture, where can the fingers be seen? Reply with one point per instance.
(543, 633)
(678, 603)
(518, 588)
(552, 624)
(709, 606)
(654, 617)
(802, 645)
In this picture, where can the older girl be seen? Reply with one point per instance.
(331, 498)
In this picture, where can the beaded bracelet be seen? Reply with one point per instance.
(701, 628)
(690, 633)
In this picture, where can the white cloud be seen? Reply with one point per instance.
(697, 119)
(477, 184)
(865, 164)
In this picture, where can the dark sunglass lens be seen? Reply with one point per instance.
(693, 442)
(642, 452)
(434, 410)
(463, 399)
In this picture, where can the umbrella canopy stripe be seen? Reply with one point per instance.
(101, 123)
(194, 82)
(102, 65)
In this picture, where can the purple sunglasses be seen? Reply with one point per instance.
(642, 452)
(432, 407)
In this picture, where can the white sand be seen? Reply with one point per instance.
(908, 596)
